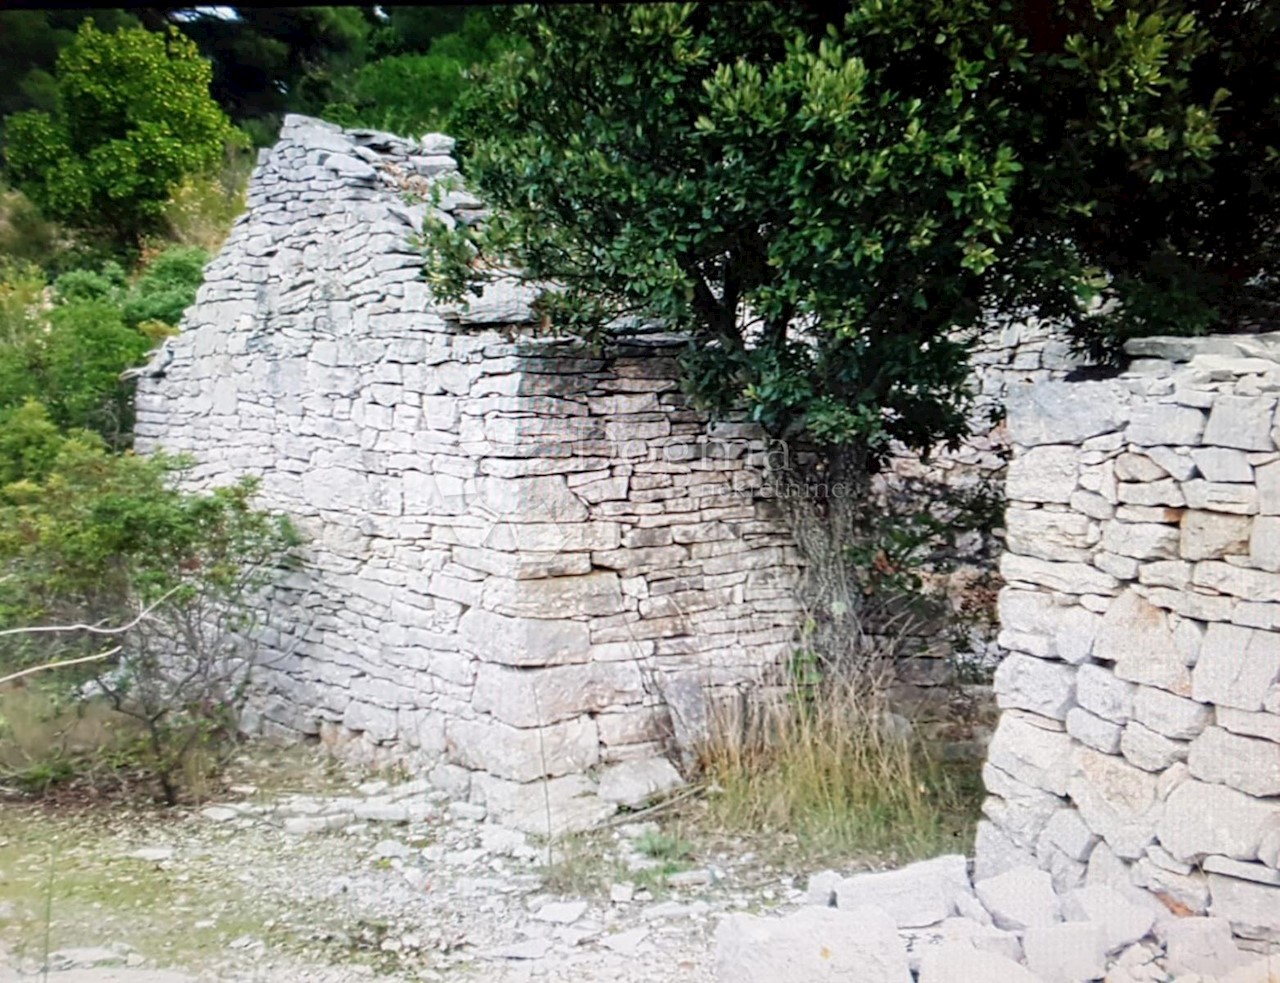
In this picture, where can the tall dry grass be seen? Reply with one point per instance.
(829, 764)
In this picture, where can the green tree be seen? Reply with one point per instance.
(133, 117)
(827, 199)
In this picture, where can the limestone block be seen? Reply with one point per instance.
(1099, 691)
(1043, 687)
(1069, 628)
(1152, 493)
(1166, 573)
(1264, 725)
(523, 641)
(1048, 535)
(634, 783)
(1064, 413)
(1136, 635)
(1066, 578)
(919, 894)
(544, 537)
(1019, 899)
(1097, 733)
(1200, 945)
(533, 697)
(1043, 474)
(1241, 421)
(1069, 833)
(1067, 952)
(860, 946)
(1221, 497)
(994, 852)
(1223, 464)
(1236, 666)
(551, 808)
(1020, 810)
(1143, 541)
(540, 498)
(1250, 907)
(955, 961)
(1033, 755)
(1172, 716)
(1257, 873)
(1122, 921)
(1148, 750)
(1249, 764)
(1264, 543)
(1166, 424)
(598, 593)
(524, 754)
(1138, 467)
(1268, 484)
(1201, 819)
(1116, 800)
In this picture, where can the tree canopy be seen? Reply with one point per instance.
(827, 201)
(133, 117)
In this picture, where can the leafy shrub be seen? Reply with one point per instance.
(29, 443)
(25, 234)
(69, 357)
(166, 287)
(111, 540)
(106, 283)
(134, 117)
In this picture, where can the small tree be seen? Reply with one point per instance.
(110, 541)
(133, 118)
(827, 201)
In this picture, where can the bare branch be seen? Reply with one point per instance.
(58, 665)
(92, 629)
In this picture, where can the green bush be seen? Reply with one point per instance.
(166, 287)
(70, 356)
(112, 540)
(134, 117)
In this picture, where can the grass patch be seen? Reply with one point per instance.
(826, 765)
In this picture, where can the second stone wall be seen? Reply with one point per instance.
(1139, 743)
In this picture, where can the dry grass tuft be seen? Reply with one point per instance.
(830, 765)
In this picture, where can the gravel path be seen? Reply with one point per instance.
(371, 883)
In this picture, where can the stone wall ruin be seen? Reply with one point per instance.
(522, 556)
(1139, 744)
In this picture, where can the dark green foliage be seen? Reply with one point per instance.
(828, 200)
(133, 118)
(412, 93)
(167, 287)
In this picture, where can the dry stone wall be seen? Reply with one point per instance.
(526, 562)
(1139, 744)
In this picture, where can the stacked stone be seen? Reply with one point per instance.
(1139, 743)
(526, 563)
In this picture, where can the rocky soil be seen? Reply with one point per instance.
(377, 881)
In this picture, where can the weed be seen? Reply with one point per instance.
(829, 766)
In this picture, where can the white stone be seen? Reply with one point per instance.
(1035, 756)
(561, 912)
(551, 808)
(1223, 464)
(1068, 952)
(1172, 716)
(1143, 541)
(860, 946)
(1148, 750)
(1116, 800)
(1123, 922)
(1097, 733)
(1241, 421)
(523, 754)
(1200, 945)
(955, 961)
(1100, 692)
(914, 896)
(1213, 535)
(1249, 764)
(1136, 635)
(1265, 725)
(530, 697)
(633, 783)
(1264, 543)
(1200, 819)
(1064, 413)
(1157, 423)
(1250, 907)
(1043, 687)
(1066, 578)
(523, 641)
(1236, 666)
(1019, 898)
(1043, 474)
(821, 889)
(1069, 833)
